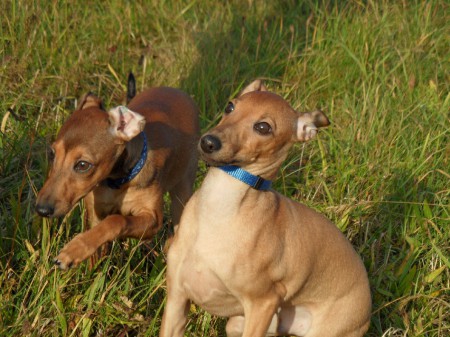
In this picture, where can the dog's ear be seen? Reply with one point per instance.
(256, 85)
(308, 124)
(125, 124)
(88, 101)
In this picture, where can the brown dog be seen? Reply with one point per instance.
(274, 266)
(122, 162)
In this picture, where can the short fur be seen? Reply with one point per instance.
(273, 265)
(111, 143)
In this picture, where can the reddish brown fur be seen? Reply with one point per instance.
(134, 210)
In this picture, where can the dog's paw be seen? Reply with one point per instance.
(74, 253)
(62, 263)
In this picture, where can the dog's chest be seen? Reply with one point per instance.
(108, 201)
(202, 281)
(212, 265)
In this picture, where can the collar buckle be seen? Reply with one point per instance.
(258, 183)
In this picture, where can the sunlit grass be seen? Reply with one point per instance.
(380, 71)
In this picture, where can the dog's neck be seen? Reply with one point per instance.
(224, 195)
(223, 202)
(254, 181)
(129, 163)
(268, 168)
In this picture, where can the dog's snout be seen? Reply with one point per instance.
(45, 210)
(210, 144)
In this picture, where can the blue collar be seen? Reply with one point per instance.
(253, 181)
(117, 183)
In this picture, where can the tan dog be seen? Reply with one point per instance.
(120, 171)
(274, 266)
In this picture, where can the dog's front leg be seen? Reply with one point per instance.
(142, 226)
(258, 316)
(175, 313)
(92, 219)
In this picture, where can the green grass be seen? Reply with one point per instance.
(379, 69)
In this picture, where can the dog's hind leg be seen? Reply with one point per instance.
(235, 326)
(180, 195)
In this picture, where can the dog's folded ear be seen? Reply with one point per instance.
(308, 124)
(89, 100)
(256, 85)
(125, 124)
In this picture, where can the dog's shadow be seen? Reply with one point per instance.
(233, 55)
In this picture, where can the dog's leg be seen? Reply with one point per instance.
(175, 314)
(82, 246)
(180, 195)
(91, 220)
(235, 326)
(258, 316)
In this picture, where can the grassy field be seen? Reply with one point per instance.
(379, 69)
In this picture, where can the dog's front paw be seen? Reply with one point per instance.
(74, 253)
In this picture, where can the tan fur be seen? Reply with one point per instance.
(94, 136)
(273, 265)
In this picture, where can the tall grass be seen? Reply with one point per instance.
(379, 69)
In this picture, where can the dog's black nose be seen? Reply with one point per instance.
(44, 210)
(210, 143)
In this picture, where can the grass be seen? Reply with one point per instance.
(380, 70)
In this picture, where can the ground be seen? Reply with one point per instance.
(380, 71)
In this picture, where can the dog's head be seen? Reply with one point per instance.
(257, 130)
(85, 151)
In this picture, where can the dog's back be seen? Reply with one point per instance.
(172, 130)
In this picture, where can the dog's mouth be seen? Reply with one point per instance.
(215, 163)
(52, 211)
(57, 209)
(51, 205)
(221, 163)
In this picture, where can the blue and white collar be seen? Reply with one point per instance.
(117, 183)
(253, 181)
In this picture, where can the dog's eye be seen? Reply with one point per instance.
(263, 128)
(82, 166)
(229, 108)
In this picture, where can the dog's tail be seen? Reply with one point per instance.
(131, 87)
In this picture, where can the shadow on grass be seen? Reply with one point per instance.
(232, 56)
(396, 250)
(232, 53)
